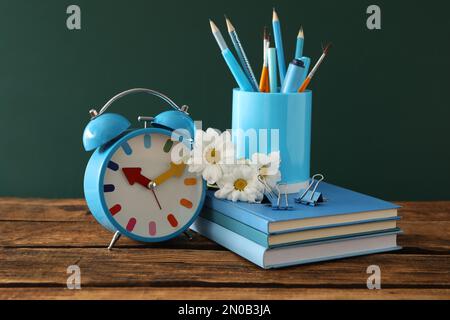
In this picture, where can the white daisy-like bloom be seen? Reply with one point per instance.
(240, 183)
(227, 168)
(268, 166)
(212, 150)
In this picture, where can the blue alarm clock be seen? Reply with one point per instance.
(134, 183)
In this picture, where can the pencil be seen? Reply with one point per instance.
(313, 71)
(233, 65)
(299, 45)
(272, 56)
(241, 54)
(264, 80)
(279, 44)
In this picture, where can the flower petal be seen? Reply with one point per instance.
(223, 192)
(260, 159)
(243, 196)
(195, 168)
(211, 135)
(234, 196)
(212, 173)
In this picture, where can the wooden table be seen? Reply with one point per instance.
(39, 239)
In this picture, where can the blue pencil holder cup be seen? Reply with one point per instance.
(279, 122)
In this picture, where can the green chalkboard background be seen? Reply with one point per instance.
(381, 99)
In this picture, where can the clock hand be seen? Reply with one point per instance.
(175, 170)
(156, 198)
(134, 175)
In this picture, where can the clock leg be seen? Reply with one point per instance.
(114, 239)
(188, 235)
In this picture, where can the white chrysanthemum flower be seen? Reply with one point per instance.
(268, 166)
(240, 184)
(211, 151)
(228, 168)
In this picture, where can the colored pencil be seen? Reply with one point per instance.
(299, 45)
(272, 56)
(279, 44)
(233, 65)
(313, 71)
(241, 54)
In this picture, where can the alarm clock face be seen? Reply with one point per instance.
(149, 197)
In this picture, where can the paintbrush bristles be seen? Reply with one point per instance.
(327, 48)
(266, 34)
(266, 42)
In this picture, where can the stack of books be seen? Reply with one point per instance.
(346, 224)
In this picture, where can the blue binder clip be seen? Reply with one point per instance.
(311, 197)
(274, 196)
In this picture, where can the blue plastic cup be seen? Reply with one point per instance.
(268, 115)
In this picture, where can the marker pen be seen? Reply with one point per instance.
(306, 63)
(294, 75)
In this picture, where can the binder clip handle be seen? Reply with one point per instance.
(273, 194)
(311, 197)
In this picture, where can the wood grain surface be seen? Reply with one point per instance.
(40, 238)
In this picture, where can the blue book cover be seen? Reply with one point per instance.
(296, 254)
(306, 235)
(341, 206)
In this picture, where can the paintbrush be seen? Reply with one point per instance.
(264, 80)
(313, 71)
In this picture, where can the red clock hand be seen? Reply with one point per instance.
(134, 175)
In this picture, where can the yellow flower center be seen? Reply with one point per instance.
(240, 184)
(213, 156)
